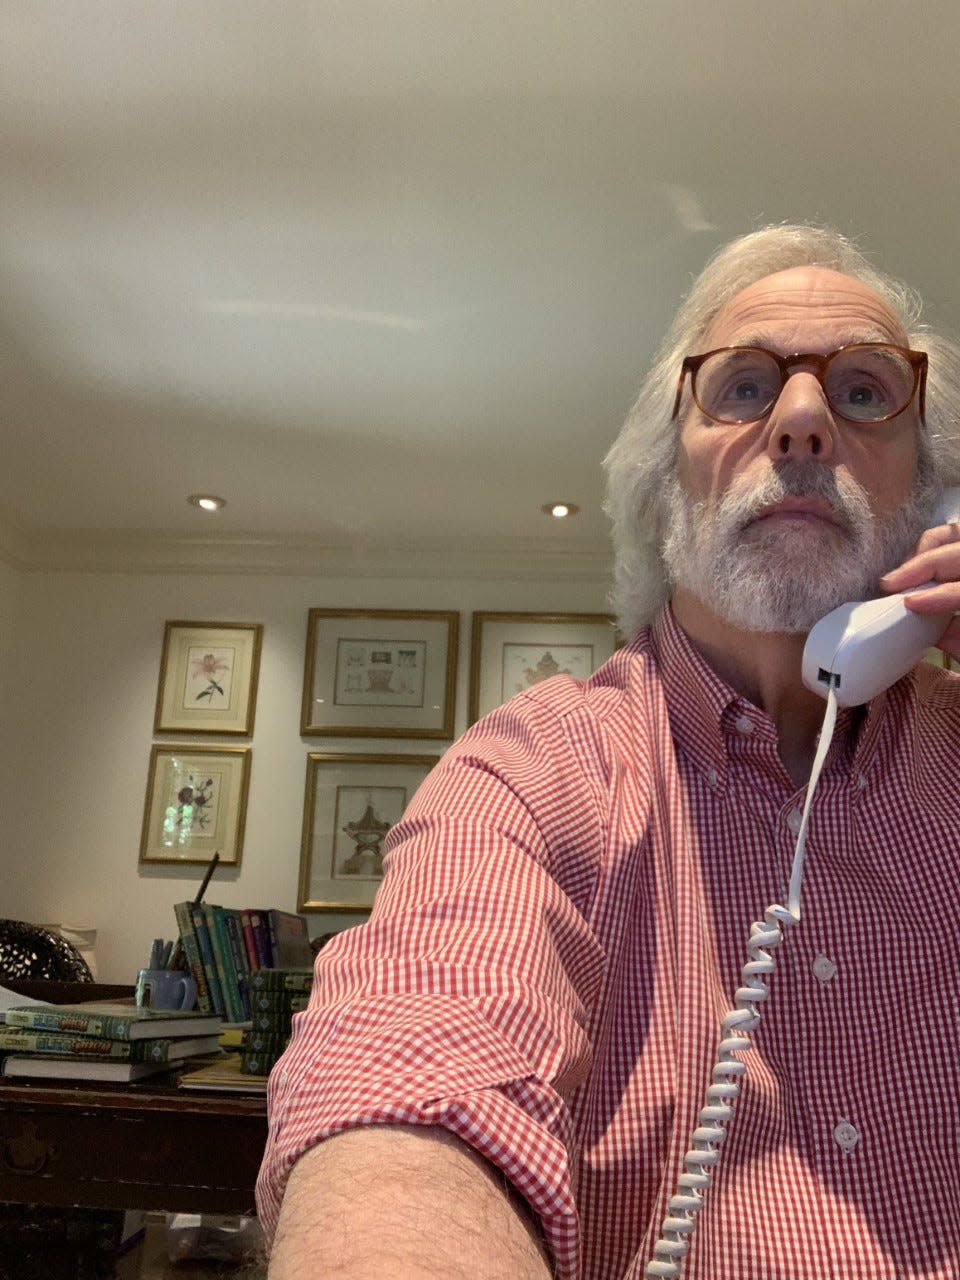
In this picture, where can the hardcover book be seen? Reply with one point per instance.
(278, 1002)
(114, 1020)
(258, 1064)
(241, 961)
(63, 1044)
(191, 949)
(217, 929)
(289, 939)
(247, 917)
(298, 979)
(265, 1041)
(41, 1068)
(198, 916)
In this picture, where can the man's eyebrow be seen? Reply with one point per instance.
(846, 338)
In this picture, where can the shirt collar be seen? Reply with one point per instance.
(706, 712)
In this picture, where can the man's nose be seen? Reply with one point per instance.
(801, 424)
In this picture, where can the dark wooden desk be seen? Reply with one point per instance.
(86, 1151)
(147, 1145)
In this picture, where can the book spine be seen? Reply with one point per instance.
(265, 1041)
(249, 941)
(63, 1044)
(271, 927)
(282, 980)
(191, 949)
(199, 919)
(157, 1050)
(224, 961)
(261, 937)
(279, 1001)
(257, 1064)
(241, 963)
(106, 1025)
(290, 938)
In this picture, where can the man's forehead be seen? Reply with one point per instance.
(806, 299)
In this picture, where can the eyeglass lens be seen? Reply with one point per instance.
(862, 383)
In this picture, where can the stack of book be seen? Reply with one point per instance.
(224, 946)
(276, 995)
(102, 1040)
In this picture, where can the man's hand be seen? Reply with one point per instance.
(936, 560)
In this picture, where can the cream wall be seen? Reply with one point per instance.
(83, 654)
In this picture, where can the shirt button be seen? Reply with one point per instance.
(861, 781)
(794, 820)
(845, 1136)
(743, 724)
(713, 777)
(824, 969)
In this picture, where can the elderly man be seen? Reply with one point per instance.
(499, 1074)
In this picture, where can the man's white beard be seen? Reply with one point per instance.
(783, 577)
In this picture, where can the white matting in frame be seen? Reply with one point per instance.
(383, 673)
(512, 652)
(208, 677)
(350, 804)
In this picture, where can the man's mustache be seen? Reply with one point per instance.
(846, 499)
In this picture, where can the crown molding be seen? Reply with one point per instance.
(533, 560)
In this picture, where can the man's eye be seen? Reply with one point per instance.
(746, 390)
(861, 395)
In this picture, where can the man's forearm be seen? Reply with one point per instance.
(407, 1202)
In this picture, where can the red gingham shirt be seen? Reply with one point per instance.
(561, 928)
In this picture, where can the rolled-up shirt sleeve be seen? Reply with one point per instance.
(463, 1002)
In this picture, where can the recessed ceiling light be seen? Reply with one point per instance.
(208, 501)
(559, 510)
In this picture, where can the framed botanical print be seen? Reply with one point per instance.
(380, 673)
(196, 804)
(511, 652)
(350, 803)
(208, 678)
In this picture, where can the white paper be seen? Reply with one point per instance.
(10, 998)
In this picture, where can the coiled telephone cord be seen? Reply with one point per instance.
(736, 1030)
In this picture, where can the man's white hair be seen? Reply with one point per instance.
(643, 457)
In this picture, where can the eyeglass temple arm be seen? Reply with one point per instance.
(676, 403)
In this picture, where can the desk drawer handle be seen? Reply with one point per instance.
(25, 1154)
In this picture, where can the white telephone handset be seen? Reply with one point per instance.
(864, 647)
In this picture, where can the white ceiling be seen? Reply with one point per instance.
(385, 273)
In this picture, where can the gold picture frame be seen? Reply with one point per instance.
(380, 673)
(196, 804)
(208, 678)
(350, 802)
(510, 652)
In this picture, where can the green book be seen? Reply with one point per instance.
(199, 918)
(191, 949)
(265, 1041)
(258, 1064)
(114, 1020)
(63, 1044)
(241, 961)
(298, 979)
(217, 928)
